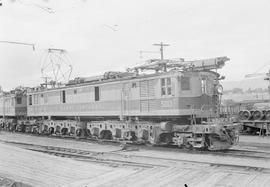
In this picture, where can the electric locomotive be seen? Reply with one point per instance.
(168, 102)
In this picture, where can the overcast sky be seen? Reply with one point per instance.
(103, 35)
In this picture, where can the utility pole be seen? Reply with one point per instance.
(4, 107)
(268, 79)
(161, 48)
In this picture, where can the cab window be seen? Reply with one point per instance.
(18, 100)
(185, 83)
(166, 86)
(63, 96)
(30, 100)
(97, 93)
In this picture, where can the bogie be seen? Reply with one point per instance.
(207, 136)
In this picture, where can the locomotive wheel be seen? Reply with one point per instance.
(207, 142)
(145, 135)
(72, 131)
(88, 133)
(12, 128)
(58, 130)
(118, 133)
(35, 130)
(165, 138)
(28, 129)
(51, 130)
(188, 146)
(79, 132)
(106, 134)
(7, 127)
(45, 129)
(130, 135)
(64, 131)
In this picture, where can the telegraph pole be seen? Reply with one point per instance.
(161, 44)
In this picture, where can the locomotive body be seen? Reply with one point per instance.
(13, 103)
(13, 106)
(170, 95)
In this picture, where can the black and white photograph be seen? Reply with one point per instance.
(134, 93)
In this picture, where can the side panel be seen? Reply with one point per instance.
(143, 97)
(79, 101)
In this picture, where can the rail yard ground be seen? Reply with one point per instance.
(50, 161)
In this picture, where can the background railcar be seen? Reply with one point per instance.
(13, 104)
(169, 95)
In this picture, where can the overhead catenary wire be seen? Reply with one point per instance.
(256, 73)
(113, 28)
(18, 43)
(45, 8)
(263, 66)
(253, 75)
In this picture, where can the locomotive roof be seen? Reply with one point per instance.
(15, 92)
(134, 77)
(160, 66)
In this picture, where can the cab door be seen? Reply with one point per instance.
(126, 99)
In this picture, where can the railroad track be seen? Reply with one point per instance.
(118, 159)
(230, 152)
(241, 153)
